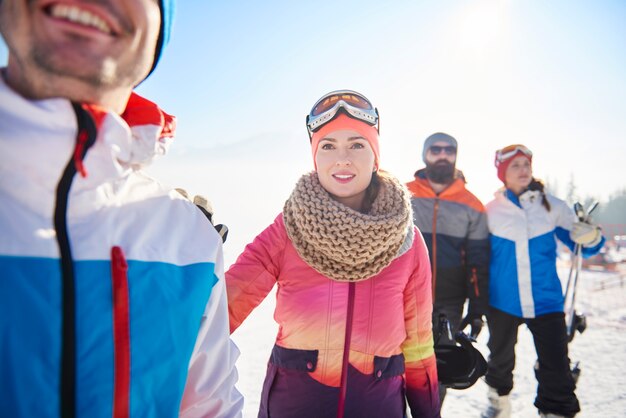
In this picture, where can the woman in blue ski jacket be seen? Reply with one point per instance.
(524, 225)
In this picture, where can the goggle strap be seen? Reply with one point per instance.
(377, 120)
(308, 130)
(346, 111)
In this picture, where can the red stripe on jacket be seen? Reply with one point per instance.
(121, 334)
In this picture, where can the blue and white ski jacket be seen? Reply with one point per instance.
(523, 279)
(112, 295)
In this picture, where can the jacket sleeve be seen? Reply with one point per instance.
(255, 272)
(422, 390)
(210, 388)
(477, 262)
(565, 218)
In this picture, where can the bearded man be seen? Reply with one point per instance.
(453, 223)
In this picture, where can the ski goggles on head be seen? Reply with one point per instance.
(354, 104)
(508, 152)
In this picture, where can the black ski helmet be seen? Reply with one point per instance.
(459, 366)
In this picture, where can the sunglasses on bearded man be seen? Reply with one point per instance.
(437, 149)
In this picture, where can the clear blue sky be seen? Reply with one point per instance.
(241, 75)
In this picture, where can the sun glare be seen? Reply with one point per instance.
(480, 26)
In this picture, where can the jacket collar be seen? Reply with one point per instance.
(135, 137)
(421, 186)
(524, 200)
(38, 138)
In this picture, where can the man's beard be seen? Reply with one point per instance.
(441, 172)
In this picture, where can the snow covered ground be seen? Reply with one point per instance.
(601, 350)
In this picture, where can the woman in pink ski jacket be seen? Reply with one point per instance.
(354, 296)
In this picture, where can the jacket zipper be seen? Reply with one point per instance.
(346, 352)
(85, 138)
(121, 334)
(434, 246)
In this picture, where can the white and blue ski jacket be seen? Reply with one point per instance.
(523, 279)
(112, 295)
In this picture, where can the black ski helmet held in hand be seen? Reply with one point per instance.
(459, 366)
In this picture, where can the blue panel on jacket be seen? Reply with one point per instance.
(166, 307)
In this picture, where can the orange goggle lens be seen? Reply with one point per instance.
(351, 102)
(350, 98)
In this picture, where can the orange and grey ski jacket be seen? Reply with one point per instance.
(454, 226)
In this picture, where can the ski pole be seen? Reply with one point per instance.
(578, 259)
(572, 280)
(594, 205)
(568, 287)
(573, 274)
(583, 216)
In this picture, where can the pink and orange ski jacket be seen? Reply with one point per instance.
(390, 343)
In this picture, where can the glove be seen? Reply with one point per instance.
(205, 207)
(586, 234)
(475, 322)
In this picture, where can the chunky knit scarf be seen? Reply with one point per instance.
(344, 244)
